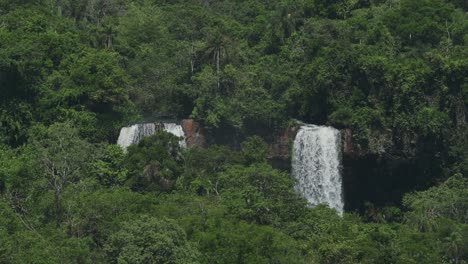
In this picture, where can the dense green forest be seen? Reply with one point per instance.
(72, 73)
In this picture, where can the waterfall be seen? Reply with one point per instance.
(133, 134)
(176, 130)
(316, 165)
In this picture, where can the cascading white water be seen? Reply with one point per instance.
(316, 165)
(133, 134)
(176, 130)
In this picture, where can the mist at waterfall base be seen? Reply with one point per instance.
(316, 166)
(135, 133)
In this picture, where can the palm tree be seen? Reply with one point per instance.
(217, 48)
(454, 245)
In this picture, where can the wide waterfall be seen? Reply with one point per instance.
(133, 134)
(316, 165)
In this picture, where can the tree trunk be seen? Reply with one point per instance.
(58, 207)
(192, 59)
(59, 7)
(217, 65)
(108, 43)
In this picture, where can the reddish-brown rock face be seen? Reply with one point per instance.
(348, 146)
(194, 135)
(281, 145)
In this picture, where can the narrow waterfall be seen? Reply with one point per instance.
(316, 165)
(176, 130)
(133, 134)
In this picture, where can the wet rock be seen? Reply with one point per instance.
(194, 133)
(281, 146)
(282, 142)
(348, 145)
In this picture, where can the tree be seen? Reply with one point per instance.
(150, 240)
(260, 194)
(89, 86)
(255, 150)
(422, 22)
(447, 201)
(202, 168)
(64, 158)
(217, 47)
(108, 166)
(155, 163)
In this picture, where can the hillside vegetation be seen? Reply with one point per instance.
(73, 72)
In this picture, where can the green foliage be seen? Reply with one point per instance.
(202, 168)
(431, 121)
(150, 240)
(447, 201)
(259, 194)
(96, 213)
(224, 241)
(20, 242)
(419, 22)
(73, 72)
(255, 150)
(155, 162)
(63, 159)
(107, 168)
(89, 81)
(231, 99)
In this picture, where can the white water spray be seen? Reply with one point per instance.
(316, 165)
(176, 130)
(133, 134)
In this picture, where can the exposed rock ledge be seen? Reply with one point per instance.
(281, 141)
(194, 133)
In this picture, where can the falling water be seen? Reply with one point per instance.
(133, 134)
(316, 166)
(176, 130)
